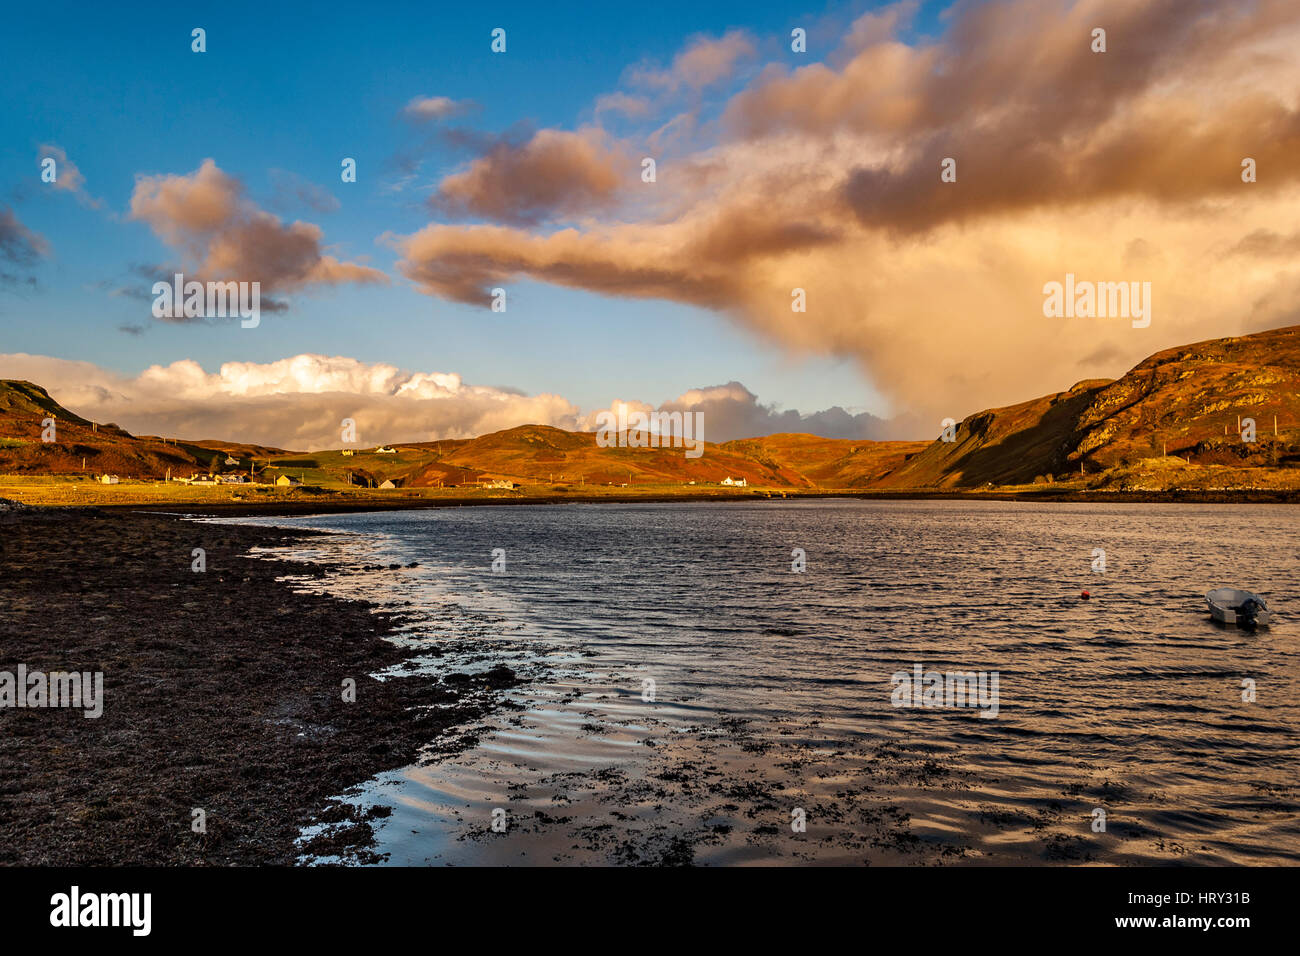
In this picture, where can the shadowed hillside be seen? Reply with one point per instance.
(1186, 402)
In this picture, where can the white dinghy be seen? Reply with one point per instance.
(1231, 606)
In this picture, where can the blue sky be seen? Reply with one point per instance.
(293, 88)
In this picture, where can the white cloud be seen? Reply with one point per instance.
(425, 108)
(299, 403)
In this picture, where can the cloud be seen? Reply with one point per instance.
(299, 403)
(19, 247)
(424, 109)
(67, 176)
(732, 411)
(221, 235)
(18, 244)
(554, 173)
(296, 403)
(704, 62)
(1115, 166)
(633, 106)
(291, 190)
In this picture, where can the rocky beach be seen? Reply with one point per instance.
(224, 729)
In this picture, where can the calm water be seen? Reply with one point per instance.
(772, 689)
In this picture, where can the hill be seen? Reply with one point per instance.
(80, 446)
(1173, 421)
(828, 462)
(1187, 402)
(540, 453)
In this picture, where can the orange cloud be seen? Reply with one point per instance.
(555, 173)
(702, 63)
(223, 235)
(1115, 166)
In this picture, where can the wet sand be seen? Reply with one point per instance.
(223, 691)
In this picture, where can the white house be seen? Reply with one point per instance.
(737, 482)
(231, 461)
(348, 452)
(385, 450)
(108, 479)
(387, 485)
(288, 481)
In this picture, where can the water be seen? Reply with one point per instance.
(772, 689)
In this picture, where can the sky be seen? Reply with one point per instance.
(776, 169)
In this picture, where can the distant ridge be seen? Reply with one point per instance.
(1178, 408)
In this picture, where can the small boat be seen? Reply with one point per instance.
(1231, 606)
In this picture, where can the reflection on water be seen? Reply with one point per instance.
(772, 689)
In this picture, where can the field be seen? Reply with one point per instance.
(64, 491)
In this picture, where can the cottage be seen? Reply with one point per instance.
(387, 485)
(736, 482)
(501, 484)
(288, 481)
(385, 450)
(348, 452)
(232, 480)
(231, 462)
(108, 479)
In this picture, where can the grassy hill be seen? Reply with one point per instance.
(82, 447)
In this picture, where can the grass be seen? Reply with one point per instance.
(65, 491)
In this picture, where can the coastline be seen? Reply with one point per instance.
(222, 692)
(309, 506)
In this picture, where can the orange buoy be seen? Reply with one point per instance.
(1086, 595)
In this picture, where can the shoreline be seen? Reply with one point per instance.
(304, 507)
(222, 692)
